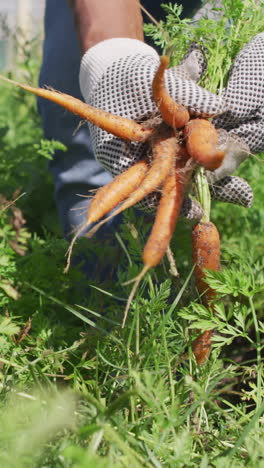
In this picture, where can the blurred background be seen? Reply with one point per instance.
(22, 18)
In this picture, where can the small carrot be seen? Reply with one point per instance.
(167, 215)
(201, 143)
(110, 196)
(164, 150)
(175, 115)
(206, 255)
(121, 127)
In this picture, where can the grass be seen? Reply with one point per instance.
(78, 391)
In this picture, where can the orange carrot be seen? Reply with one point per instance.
(121, 127)
(168, 211)
(164, 148)
(201, 142)
(172, 113)
(206, 255)
(167, 215)
(109, 196)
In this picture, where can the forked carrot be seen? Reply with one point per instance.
(110, 196)
(167, 215)
(121, 127)
(206, 255)
(175, 115)
(201, 143)
(164, 149)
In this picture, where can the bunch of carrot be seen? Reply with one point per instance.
(178, 144)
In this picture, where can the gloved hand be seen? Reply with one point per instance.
(244, 96)
(244, 100)
(244, 120)
(116, 75)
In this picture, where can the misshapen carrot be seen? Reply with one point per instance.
(167, 215)
(172, 113)
(201, 143)
(206, 255)
(121, 127)
(110, 196)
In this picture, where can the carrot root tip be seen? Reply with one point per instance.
(131, 296)
(70, 248)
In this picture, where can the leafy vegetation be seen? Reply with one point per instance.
(76, 389)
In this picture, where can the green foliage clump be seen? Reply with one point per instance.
(221, 33)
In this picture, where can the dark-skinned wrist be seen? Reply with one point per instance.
(98, 20)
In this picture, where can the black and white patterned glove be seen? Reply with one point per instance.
(116, 75)
(244, 119)
(244, 96)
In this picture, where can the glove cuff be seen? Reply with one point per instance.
(99, 57)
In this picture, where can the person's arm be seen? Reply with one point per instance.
(97, 20)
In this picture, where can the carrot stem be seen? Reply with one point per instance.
(203, 193)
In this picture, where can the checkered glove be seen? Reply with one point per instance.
(243, 121)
